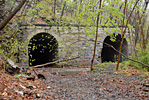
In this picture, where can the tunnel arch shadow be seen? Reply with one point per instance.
(109, 54)
(42, 48)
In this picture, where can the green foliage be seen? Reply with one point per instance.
(143, 56)
(10, 46)
(84, 13)
(101, 65)
(17, 77)
(143, 76)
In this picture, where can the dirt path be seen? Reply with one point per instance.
(99, 85)
(80, 84)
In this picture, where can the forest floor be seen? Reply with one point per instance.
(77, 83)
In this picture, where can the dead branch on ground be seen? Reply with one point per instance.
(50, 63)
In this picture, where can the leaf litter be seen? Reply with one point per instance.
(123, 84)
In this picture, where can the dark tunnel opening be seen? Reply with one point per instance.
(42, 48)
(108, 53)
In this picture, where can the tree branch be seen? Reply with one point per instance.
(37, 66)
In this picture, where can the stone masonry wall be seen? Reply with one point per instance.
(72, 41)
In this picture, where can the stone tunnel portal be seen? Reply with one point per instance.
(108, 53)
(42, 48)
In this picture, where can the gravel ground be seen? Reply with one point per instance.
(99, 85)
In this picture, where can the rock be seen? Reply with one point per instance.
(31, 87)
(12, 68)
(23, 87)
(38, 95)
(19, 92)
(146, 84)
(35, 93)
(146, 89)
(48, 87)
(4, 93)
(31, 78)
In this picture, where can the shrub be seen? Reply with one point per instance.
(143, 56)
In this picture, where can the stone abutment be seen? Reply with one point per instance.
(44, 44)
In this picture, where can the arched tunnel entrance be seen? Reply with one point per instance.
(42, 48)
(108, 53)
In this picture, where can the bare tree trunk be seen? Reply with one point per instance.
(63, 9)
(145, 8)
(2, 5)
(61, 1)
(95, 38)
(80, 6)
(10, 16)
(130, 40)
(123, 33)
(133, 42)
(54, 8)
(145, 16)
(129, 31)
(75, 7)
(132, 36)
(147, 35)
(136, 29)
(141, 27)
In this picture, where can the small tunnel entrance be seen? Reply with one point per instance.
(108, 54)
(42, 48)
